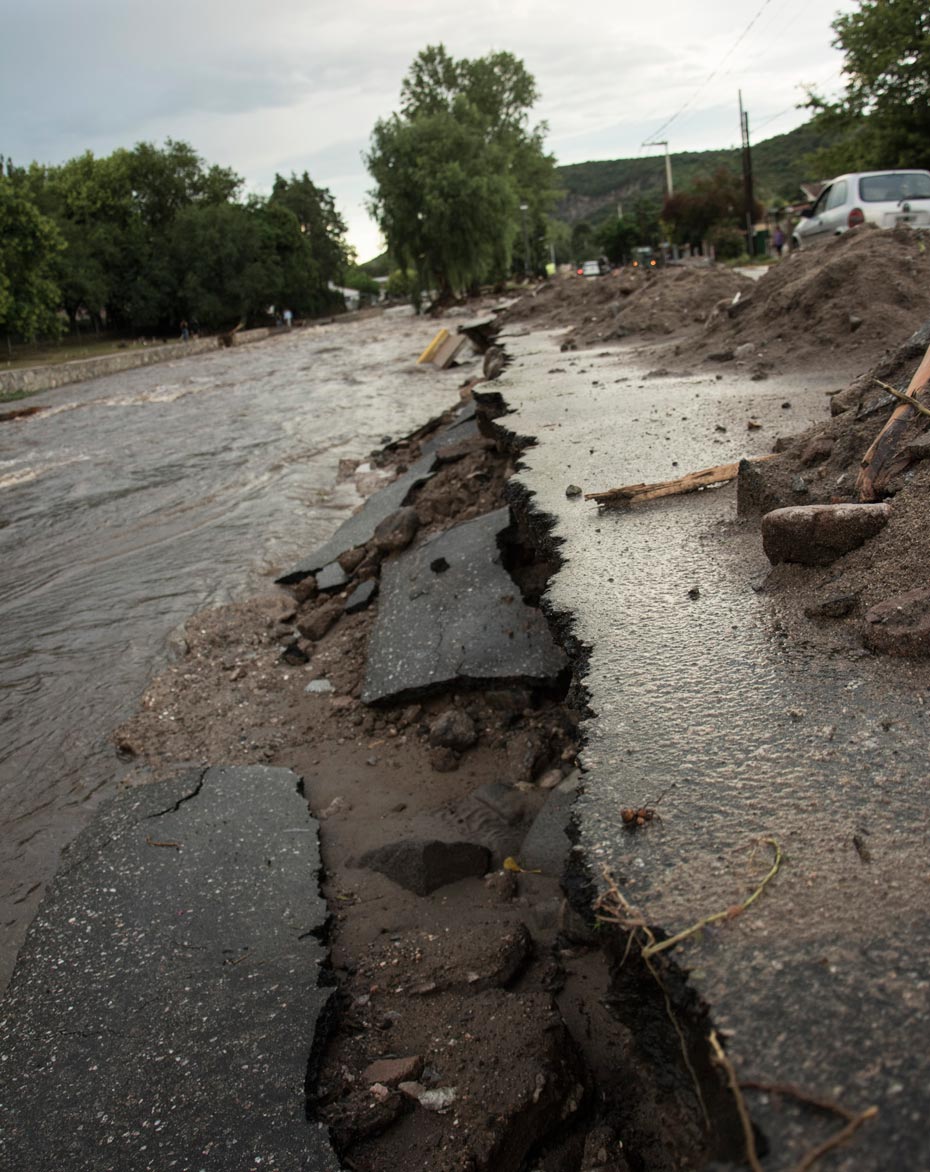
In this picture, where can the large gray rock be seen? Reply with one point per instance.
(423, 865)
(165, 1004)
(816, 535)
(465, 624)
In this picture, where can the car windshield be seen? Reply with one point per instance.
(894, 187)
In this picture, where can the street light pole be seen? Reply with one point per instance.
(526, 242)
(663, 142)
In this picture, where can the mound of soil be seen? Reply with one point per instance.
(829, 604)
(860, 293)
(629, 302)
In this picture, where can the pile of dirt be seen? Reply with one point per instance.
(827, 605)
(857, 295)
(650, 303)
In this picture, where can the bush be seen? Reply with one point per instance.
(729, 243)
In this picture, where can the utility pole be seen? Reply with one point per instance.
(663, 142)
(747, 174)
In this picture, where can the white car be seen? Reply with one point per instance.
(885, 198)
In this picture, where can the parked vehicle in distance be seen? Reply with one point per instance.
(644, 257)
(593, 268)
(885, 198)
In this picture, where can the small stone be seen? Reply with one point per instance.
(439, 565)
(315, 625)
(305, 589)
(550, 779)
(319, 688)
(573, 490)
(397, 530)
(392, 1071)
(336, 806)
(443, 760)
(351, 559)
(454, 729)
(752, 425)
(440, 1099)
(294, 654)
(422, 866)
(799, 486)
(745, 350)
(816, 449)
(835, 607)
(694, 592)
(854, 322)
(412, 1090)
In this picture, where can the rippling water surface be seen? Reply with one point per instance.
(134, 501)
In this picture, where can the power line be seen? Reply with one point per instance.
(713, 73)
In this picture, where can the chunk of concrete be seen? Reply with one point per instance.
(816, 535)
(422, 865)
(331, 578)
(166, 1001)
(467, 624)
(397, 530)
(360, 527)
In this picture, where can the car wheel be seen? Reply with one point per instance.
(795, 245)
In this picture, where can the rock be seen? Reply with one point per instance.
(721, 356)
(919, 449)
(319, 688)
(392, 1071)
(438, 1099)
(900, 625)
(352, 558)
(315, 625)
(361, 596)
(305, 589)
(799, 486)
(422, 865)
(837, 606)
(854, 322)
(454, 729)
(527, 753)
(331, 578)
(443, 760)
(745, 350)
(573, 490)
(816, 449)
(493, 364)
(294, 654)
(397, 529)
(336, 806)
(816, 535)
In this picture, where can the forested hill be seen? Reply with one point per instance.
(593, 190)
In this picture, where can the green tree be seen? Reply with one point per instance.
(713, 201)
(883, 118)
(617, 239)
(29, 244)
(453, 168)
(324, 256)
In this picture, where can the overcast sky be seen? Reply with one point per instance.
(297, 85)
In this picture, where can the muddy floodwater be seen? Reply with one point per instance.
(135, 500)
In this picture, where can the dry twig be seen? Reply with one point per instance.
(749, 1136)
(911, 400)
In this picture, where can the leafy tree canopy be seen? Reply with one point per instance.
(461, 178)
(883, 118)
(29, 244)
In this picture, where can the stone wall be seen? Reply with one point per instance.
(45, 378)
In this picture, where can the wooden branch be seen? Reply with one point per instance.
(630, 494)
(887, 455)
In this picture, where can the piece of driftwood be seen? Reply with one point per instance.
(633, 494)
(888, 454)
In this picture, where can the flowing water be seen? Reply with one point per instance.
(135, 500)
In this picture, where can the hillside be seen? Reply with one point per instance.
(594, 189)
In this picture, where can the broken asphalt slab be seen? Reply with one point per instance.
(744, 744)
(449, 613)
(165, 1008)
(358, 529)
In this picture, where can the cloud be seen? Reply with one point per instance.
(298, 84)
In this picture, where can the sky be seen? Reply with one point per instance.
(297, 85)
